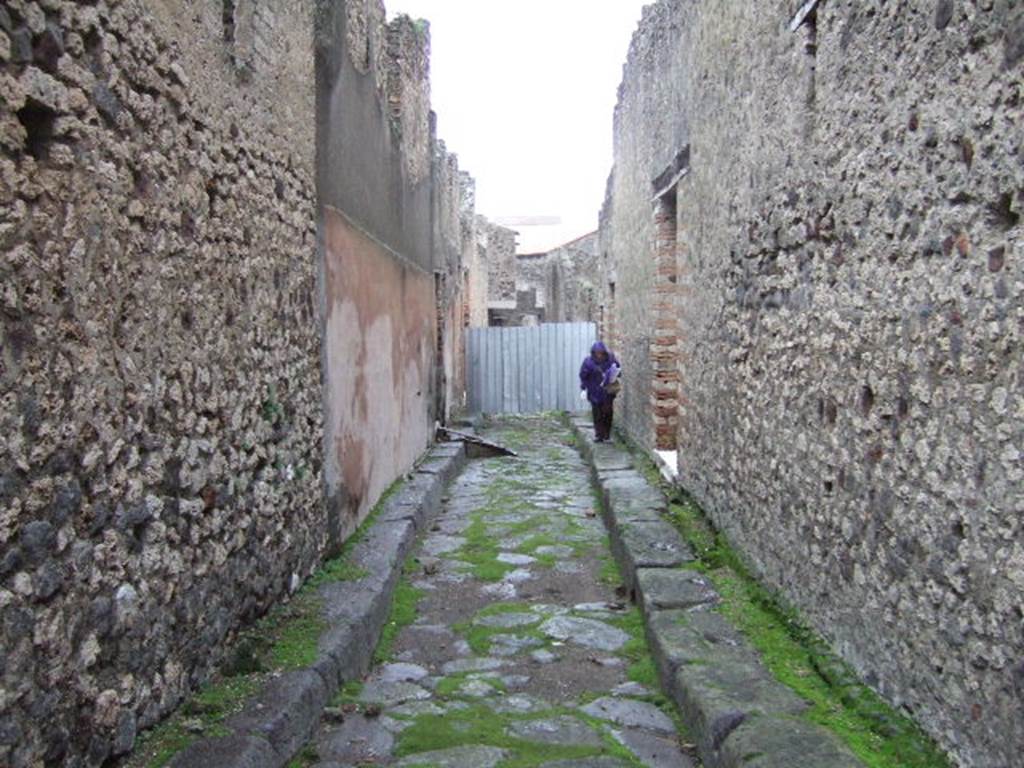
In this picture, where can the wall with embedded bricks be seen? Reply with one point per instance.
(850, 306)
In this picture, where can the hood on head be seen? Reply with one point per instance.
(598, 348)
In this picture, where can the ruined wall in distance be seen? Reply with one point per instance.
(160, 399)
(499, 246)
(851, 290)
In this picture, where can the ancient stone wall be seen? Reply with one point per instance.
(572, 286)
(650, 132)
(498, 245)
(392, 214)
(160, 399)
(849, 256)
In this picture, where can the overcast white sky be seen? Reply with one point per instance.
(524, 93)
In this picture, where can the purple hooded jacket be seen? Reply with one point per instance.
(594, 374)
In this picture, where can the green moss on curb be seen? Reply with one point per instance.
(795, 655)
(403, 613)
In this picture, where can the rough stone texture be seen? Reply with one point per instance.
(554, 287)
(498, 245)
(166, 329)
(160, 473)
(849, 296)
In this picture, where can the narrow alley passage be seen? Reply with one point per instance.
(520, 651)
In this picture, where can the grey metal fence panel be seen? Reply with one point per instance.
(526, 370)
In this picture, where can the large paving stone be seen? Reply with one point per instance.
(608, 458)
(700, 636)
(648, 545)
(603, 761)
(388, 694)
(775, 742)
(358, 740)
(401, 672)
(457, 757)
(663, 588)
(586, 632)
(235, 751)
(652, 749)
(285, 712)
(630, 713)
(476, 664)
(563, 730)
(717, 696)
(507, 620)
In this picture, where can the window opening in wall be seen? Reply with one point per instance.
(228, 17)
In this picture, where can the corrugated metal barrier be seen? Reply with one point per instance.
(527, 370)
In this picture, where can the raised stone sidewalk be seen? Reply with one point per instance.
(282, 717)
(736, 711)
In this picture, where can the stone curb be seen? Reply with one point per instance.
(739, 714)
(276, 722)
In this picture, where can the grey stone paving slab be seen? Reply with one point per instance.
(285, 712)
(508, 645)
(662, 588)
(588, 762)
(440, 543)
(477, 688)
(653, 545)
(514, 558)
(773, 742)
(587, 632)
(556, 550)
(417, 708)
(507, 620)
(631, 714)
(237, 751)
(519, 703)
(563, 730)
(457, 757)
(653, 750)
(631, 689)
(358, 739)
(476, 664)
(388, 694)
(401, 672)
(609, 458)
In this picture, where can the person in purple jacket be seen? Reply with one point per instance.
(599, 379)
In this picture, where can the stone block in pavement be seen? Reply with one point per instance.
(607, 457)
(285, 712)
(661, 589)
(630, 497)
(383, 549)
(783, 742)
(653, 544)
(234, 751)
(699, 636)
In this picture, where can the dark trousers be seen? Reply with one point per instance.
(603, 418)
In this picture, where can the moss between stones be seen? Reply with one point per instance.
(479, 725)
(796, 656)
(479, 637)
(403, 613)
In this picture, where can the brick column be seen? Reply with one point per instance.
(664, 346)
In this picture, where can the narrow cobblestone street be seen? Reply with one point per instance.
(521, 652)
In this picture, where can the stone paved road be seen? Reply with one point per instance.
(520, 654)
